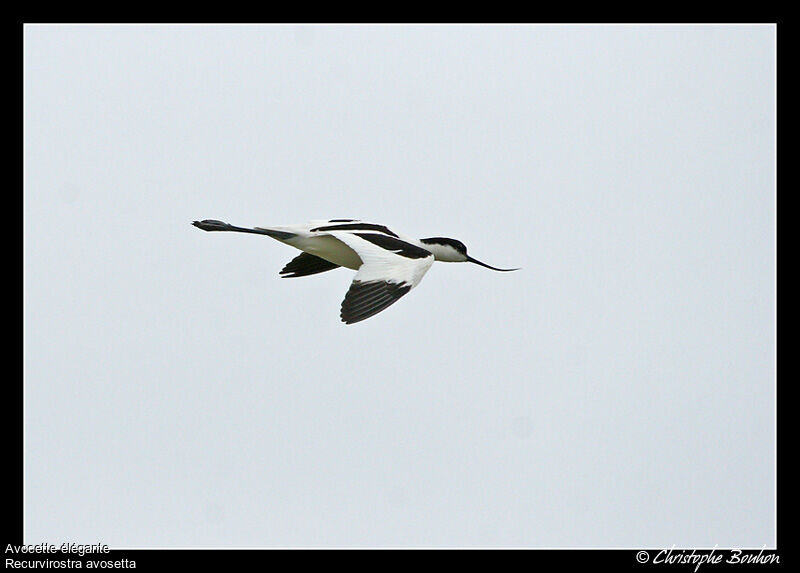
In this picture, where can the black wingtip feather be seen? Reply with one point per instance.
(306, 264)
(366, 299)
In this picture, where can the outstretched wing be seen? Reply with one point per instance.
(391, 268)
(365, 299)
(306, 264)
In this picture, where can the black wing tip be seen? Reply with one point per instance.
(366, 299)
(306, 264)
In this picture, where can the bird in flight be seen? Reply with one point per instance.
(389, 264)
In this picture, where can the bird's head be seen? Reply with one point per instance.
(453, 251)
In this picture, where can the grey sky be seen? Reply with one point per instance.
(618, 391)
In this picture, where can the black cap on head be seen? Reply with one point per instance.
(456, 244)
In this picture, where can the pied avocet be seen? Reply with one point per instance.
(389, 264)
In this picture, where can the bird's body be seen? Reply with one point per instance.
(389, 264)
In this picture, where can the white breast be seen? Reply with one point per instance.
(329, 248)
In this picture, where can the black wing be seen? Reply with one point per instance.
(306, 264)
(365, 299)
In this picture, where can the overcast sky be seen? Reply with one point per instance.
(619, 391)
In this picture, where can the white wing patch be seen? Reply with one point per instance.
(391, 268)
